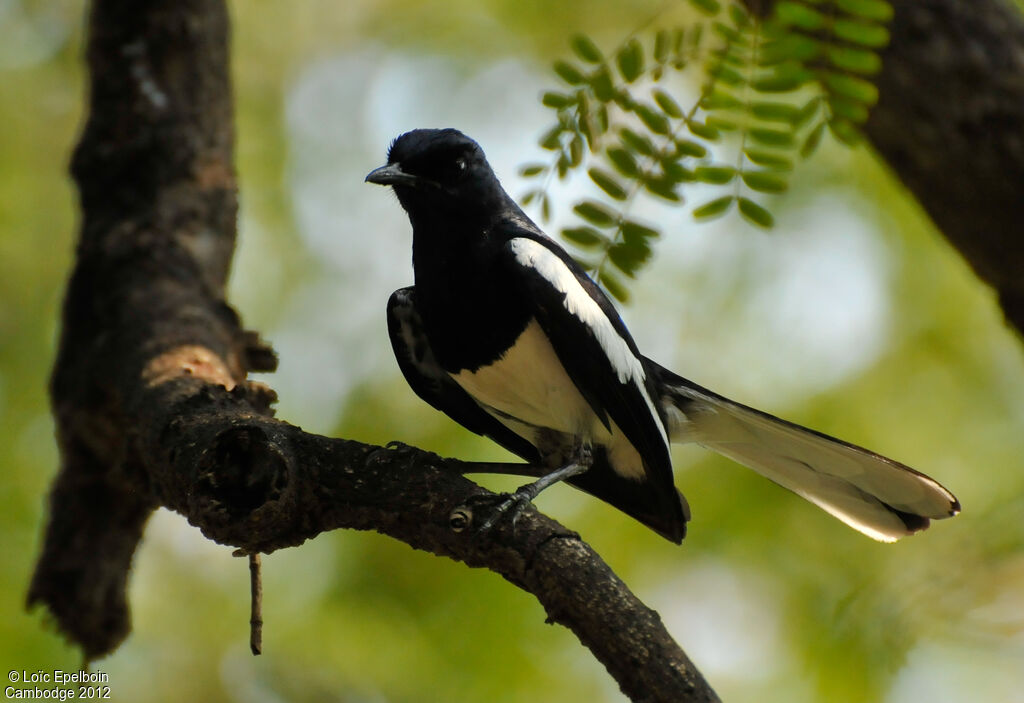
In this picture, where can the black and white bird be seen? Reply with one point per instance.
(509, 337)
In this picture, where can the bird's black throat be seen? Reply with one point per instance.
(469, 313)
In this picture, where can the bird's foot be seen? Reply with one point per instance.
(513, 503)
(493, 507)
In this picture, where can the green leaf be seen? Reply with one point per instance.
(730, 34)
(873, 36)
(530, 170)
(637, 142)
(850, 110)
(717, 175)
(813, 140)
(529, 197)
(575, 151)
(595, 213)
(679, 35)
(663, 189)
(775, 111)
(631, 230)
(655, 121)
(790, 47)
(667, 104)
(623, 161)
(586, 237)
(768, 159)
(709, 7)
(851, 87)
(631, 60)
(726, 75)
(755, 213)
(783, 78)
(563, 165)
(720, 100)
(556, 100)
(601, 120)
(586, 49)
(569, 73)
(675, 172)
(723, 124)
(771, 137)
(585, 120)
(662, 45)
(738, 15)
(606, 182)
(696, 35)
(764, 181)
(552, 139)
(602, 85)
(808, 111)
(714, 208)
(628, 257)
(613, 286)
(545, 207)
(733, 57)
(874, 10)
(795, 14)
(845, 131)
(854, 60)
(688, 147)
(703, 131)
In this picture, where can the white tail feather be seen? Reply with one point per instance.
(877, 496)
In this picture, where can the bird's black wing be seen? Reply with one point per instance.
(597, 352)
(431, 383)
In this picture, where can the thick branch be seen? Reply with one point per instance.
(948, 122)
(153, 408)
(260, 484)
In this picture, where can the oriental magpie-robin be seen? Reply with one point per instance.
(509, 337)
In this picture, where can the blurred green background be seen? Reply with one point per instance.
(853, 316)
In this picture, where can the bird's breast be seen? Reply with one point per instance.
(528, 383)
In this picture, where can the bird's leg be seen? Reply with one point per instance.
(525, 494)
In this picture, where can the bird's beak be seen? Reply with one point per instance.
(390, 175)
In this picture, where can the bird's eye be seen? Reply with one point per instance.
(460, 165)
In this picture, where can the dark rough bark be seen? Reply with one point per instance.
(152, 403)
(154, 170)
(949, 123)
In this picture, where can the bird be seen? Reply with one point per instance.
(504, 332)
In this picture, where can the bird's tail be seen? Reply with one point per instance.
(877, 496)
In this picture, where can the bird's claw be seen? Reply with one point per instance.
(514, 502)
(504, 503)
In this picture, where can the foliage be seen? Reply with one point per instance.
(769, 90)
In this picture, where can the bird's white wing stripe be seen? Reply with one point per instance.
(628, 368)
(578, 302)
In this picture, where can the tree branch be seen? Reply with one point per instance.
(948, 122)
(152, 404)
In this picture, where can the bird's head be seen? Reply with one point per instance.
(440, 171)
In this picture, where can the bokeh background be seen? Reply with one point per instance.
(853, 316)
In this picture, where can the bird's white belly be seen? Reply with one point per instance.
(528, 389)
(530, 384)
